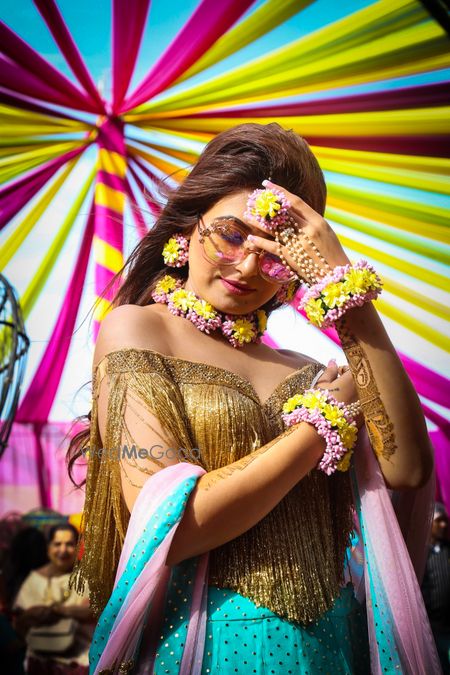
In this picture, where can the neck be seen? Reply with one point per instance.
(55, 571)
(188, 287)
(239, 329)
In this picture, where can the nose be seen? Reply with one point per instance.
(249, 266)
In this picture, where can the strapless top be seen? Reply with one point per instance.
(292, 561)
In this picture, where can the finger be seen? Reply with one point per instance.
(330, 372)
(272, 247)
(261, 242)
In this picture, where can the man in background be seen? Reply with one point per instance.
(436, 585)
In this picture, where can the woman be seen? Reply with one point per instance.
(45, 598)
(237, 552)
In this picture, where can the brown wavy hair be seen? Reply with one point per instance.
(236, 159)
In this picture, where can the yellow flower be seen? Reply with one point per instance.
(262, 320)
(292, 403)
(344, 464)
(332, 414)
(204, 309)
(243, 330)
(334, 295)
(314, 311)
(348, 436)
(341, 423)
(369, 280)
(314, 399)
(354, 282)
(267, 204)
(183, 300)
(166, 284)
(171, 250)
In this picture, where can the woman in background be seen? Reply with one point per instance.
(45, 598)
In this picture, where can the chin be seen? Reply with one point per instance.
(227, 303)
(237, 306)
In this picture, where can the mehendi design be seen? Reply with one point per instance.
(219, 474)
(379, 427)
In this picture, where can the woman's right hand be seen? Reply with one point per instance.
(38, 615)
(339, 382)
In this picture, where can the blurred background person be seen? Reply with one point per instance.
(436, 584)
(23, 550)
(55, 621)
(28, 552)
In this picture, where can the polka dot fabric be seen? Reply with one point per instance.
(243, 638)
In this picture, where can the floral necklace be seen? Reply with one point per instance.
(238, 329)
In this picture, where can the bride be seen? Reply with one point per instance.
(233, 489)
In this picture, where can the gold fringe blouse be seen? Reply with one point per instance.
(292, 561)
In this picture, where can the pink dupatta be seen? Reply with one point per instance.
(136, 626)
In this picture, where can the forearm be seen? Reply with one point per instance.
(229, 501)
(392, 411)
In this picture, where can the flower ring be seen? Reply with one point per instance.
(302, 224)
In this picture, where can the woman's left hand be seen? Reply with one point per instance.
(314, 225)
(335, 373)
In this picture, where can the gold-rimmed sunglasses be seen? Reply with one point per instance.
(223, 242)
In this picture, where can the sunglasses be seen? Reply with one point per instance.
(224, 244)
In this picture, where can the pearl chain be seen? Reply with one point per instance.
(310, 271)
(354, 408)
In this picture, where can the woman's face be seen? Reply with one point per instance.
(62, 550)
(206, 278)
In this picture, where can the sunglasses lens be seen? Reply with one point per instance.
(273, 269)
(225, 245)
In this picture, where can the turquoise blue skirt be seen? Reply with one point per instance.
(243, 638)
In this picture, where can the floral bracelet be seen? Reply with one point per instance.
(334, 420)
(344, 287)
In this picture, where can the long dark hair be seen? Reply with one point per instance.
(236, 159)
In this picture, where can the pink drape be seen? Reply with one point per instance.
(210, 20)
(63, 38)
(14, 196)
(129, 21)
(396, 535)
(33, 471)
(23, 70)
(37, 402)
(423, 96)
(23, 103)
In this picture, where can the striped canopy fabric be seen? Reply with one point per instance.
(368, 91)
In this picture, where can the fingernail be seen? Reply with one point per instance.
(266, 182)
(251, 237)
(332, 362)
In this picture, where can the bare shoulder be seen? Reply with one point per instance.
(131, 326)
(299, 360)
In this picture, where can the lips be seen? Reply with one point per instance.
(236, 284)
